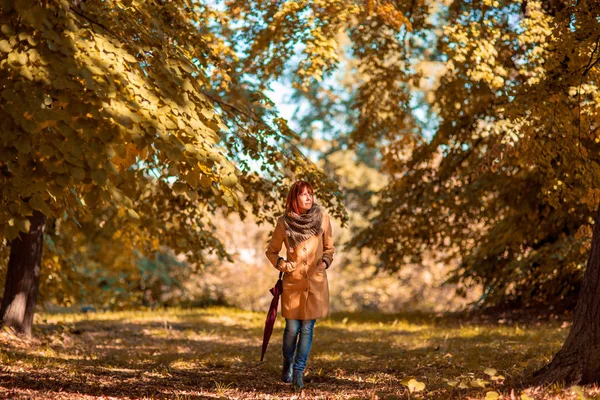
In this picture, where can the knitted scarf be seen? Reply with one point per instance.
(298, 228)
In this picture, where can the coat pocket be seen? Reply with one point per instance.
(294, 275)
(320, 269)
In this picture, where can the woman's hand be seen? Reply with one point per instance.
(289, 267)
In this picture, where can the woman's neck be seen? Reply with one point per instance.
(302, 212)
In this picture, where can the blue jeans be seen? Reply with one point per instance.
(293, 327)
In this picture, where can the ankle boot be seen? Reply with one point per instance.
(286, 373)
(297, 378)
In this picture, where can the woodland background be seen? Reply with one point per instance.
(414, 113)
(147, 147)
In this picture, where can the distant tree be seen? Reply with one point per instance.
(459, 66)
(507, 209)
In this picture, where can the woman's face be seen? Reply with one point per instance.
(305, 200)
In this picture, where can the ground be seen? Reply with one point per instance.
(215, 352)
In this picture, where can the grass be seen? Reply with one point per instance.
(214, 353)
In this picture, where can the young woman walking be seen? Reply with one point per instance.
(305, 229)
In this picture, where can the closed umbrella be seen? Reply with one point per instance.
(272, 314)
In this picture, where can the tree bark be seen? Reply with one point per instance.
(578, 361)
(22, 277)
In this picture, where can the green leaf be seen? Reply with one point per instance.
(78, 173)
(111, 168)
(205, 181)
(179, 188)
(23, 144)
(192, 195)
(99, 176)
(23, 5)
(55, 190)
(7, 30)
(173, 170)
(37, 203)
(11, 232)
(175, 153)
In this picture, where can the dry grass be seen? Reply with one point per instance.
(213, 353)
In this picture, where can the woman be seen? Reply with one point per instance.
(306, 231)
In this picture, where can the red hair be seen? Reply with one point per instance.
(291, 203)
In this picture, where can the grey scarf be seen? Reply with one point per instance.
(298, 228)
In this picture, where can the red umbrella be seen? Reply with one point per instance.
(272, 314)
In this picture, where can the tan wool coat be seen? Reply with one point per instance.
(305, 287)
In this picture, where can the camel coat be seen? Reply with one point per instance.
(305, 288)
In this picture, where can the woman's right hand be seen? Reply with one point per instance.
(289, 267)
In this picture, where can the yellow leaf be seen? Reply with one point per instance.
(5, 46)
(229, 180)
(478, 383)
(132, 214)
(128, 57)
(23, 225)
(491, 396)
(414, 385)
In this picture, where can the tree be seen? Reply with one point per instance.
(508, 181)
(436, 196)
(577, 361)
(101, 99)
(20, 292)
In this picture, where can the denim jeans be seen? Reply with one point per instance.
(293, 327)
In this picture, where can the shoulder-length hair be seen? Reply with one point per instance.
(291, 203)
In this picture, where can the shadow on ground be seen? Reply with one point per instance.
(214, 353)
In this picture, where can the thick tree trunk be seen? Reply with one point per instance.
(578, 362)
(22, 277)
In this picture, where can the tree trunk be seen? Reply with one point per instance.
(578, 362)
(22, 277)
